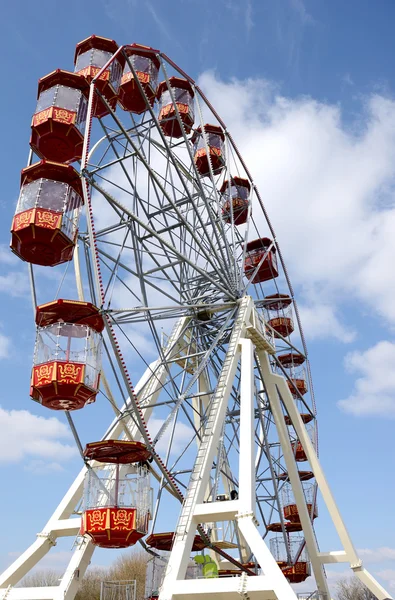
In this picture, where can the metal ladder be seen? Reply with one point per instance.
(196, 475)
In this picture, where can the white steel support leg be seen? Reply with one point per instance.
(247, 484)
(349, 555)
(75, 570)
(272, 584)
(200, 475)
(246, 516)
(293, 474)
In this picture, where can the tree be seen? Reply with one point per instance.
(352, 588)
(91, 583)
(130, 566)
(42, 578)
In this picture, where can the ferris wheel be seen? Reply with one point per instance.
(210, 462)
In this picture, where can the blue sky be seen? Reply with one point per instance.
(306, 77)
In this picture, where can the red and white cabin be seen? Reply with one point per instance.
(183, 96)
(235, 198)
(45, 226)
(91, 55)
(290, 508)
(214, 137)
(299, 569)
(67, 354)
(260, 261)
(117, 495)
(279, 314)
(59, 119)
(146, 64)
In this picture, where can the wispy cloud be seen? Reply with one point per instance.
(249, 23)
(15, 283)
(377, 555)
(290, 20)
(5, 346)
(347, 79)
(299, 7)
(159, 21)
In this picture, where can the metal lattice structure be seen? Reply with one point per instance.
(164, 251)
(118, 590)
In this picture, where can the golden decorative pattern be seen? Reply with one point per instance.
(69, 373)
(169, 109)
(42, 116)
(47, 219)
(43, 374)
(97, 520)
(22, 220)
(122, 519)
(91, 72)
(64, 116)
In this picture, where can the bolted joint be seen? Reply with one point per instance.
(248, 515)
(51, 540)
(356, 566)
(242, 590)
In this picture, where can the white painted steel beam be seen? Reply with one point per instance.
(225, 588)
(338, 556)
(222, 511)
(175, 587)
(32, 593)
(271, 381)
(179, 557)
(276, 381)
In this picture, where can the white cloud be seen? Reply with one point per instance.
(388, 575)
(374, 390)
(15, 283)
(249, 21)
(299, 7)
(328, 188)
(26, 436)
(182, 435)
(5, 346)
(377, 555)
(6, 256)
(321, 321)
(40, 467)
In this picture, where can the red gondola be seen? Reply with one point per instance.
(279, 313)
(235, 199)
(214, 138)
(146, 64)
(59, 119)
(303, 475)
(91, 55)
(260, 261)
(164, 541)
(117, 499)
(183, 96)
(285, 549)
(66, 364)
(290, 508)
(45, 225)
